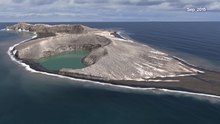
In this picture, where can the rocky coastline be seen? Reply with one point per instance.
(135, 65)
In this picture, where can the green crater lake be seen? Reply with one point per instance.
(64, 60)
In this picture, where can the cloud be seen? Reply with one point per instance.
(34, 2)
(18, 1)
(42, 2)
(106, 9)
(214, 6)
(174, 4)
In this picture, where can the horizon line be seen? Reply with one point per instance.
(93, 21)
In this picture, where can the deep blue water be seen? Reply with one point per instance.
(28, 98)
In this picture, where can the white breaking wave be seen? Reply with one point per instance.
(163, 80)
(23, 30)
(189, 64)
(11, 53)
(124, 38)
(120, 34)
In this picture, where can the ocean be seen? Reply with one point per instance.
(30, 98)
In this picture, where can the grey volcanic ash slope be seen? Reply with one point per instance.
(49, 46)
(110, 58)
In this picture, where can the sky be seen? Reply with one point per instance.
(108, 10)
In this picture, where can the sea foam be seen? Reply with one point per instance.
(128, 39)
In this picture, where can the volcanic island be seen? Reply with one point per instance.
(111, 59)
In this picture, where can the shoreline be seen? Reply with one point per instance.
(28, 68)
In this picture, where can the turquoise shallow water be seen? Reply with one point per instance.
(64, 60)
(29, 98)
